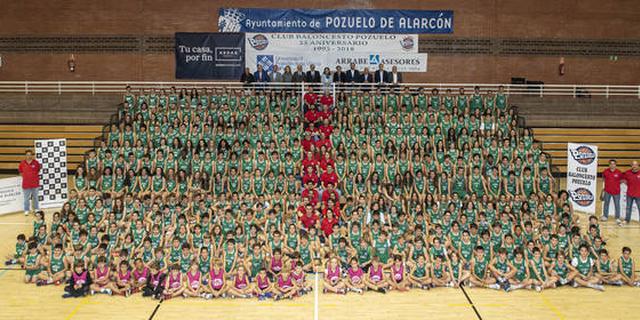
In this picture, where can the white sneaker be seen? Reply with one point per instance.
(26, 213)
(538, 288)
(603, 218)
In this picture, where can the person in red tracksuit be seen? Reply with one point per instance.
(632, 178)
(611, 178)
(29, 169)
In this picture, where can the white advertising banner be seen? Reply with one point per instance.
(11, 195)
(333, 49)
(582, 167)
(635, 215)
(52, 155)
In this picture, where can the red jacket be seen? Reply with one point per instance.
(29, 172)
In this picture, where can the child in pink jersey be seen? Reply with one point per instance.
(333, 277)
(355, 277)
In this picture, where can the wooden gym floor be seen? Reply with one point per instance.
(21, 301)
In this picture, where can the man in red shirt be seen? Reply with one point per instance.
(611, 178)
(29, 169)
(329, 176)
(309, 219)
(632, 178)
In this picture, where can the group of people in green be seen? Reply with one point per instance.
(385, 189)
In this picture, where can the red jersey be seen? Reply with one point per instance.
(326, 195)
(312, 195)
(323, 142)
(633, 183)
(310, 177)
(310, 98)
(307, 144)
(327, 177)
(612, 181)
(326, 100)
(324, 162)
(327, 226)
(311, 116)
(29, 172)
(308, 221)
(335, 210)
(326, 130)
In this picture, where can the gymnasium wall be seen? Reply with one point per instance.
(519, 38)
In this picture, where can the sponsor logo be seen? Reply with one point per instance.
(230, 20)
(259, 42)
(582, 196)
(266, 61)
(374, 59)
(583, 155)
(228, 54)
(407, 43)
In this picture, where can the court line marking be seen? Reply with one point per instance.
(471, 302)
(3, 272)
(11, 269)
(315, 298)
(551, 307)
(153, 314)
(77, 308)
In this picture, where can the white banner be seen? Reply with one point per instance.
(331, 50)
(11, 195)
(52, 155)
(582, 167)
(635, 215)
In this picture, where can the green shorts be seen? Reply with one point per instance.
(34, 272)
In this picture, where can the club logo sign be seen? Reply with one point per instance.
(583, 155)
(582, 197)
(407, 43)
(259, 42)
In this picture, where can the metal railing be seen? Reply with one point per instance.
(106, 87)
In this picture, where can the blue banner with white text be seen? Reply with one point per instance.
(216, 56)
(335, 20)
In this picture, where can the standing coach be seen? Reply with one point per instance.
(29, 169)
(632, 178)
(611, 178)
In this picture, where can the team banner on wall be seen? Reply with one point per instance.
(582, 167)
(323, 43)
(334, 20)
(52, 155)
(406, 62)
(11, 195)
(218, 56)
(333, 49)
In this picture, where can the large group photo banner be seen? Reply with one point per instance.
(11, 195)
(335, 20)
(215, 56)
(582, 174)
(334, 49)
